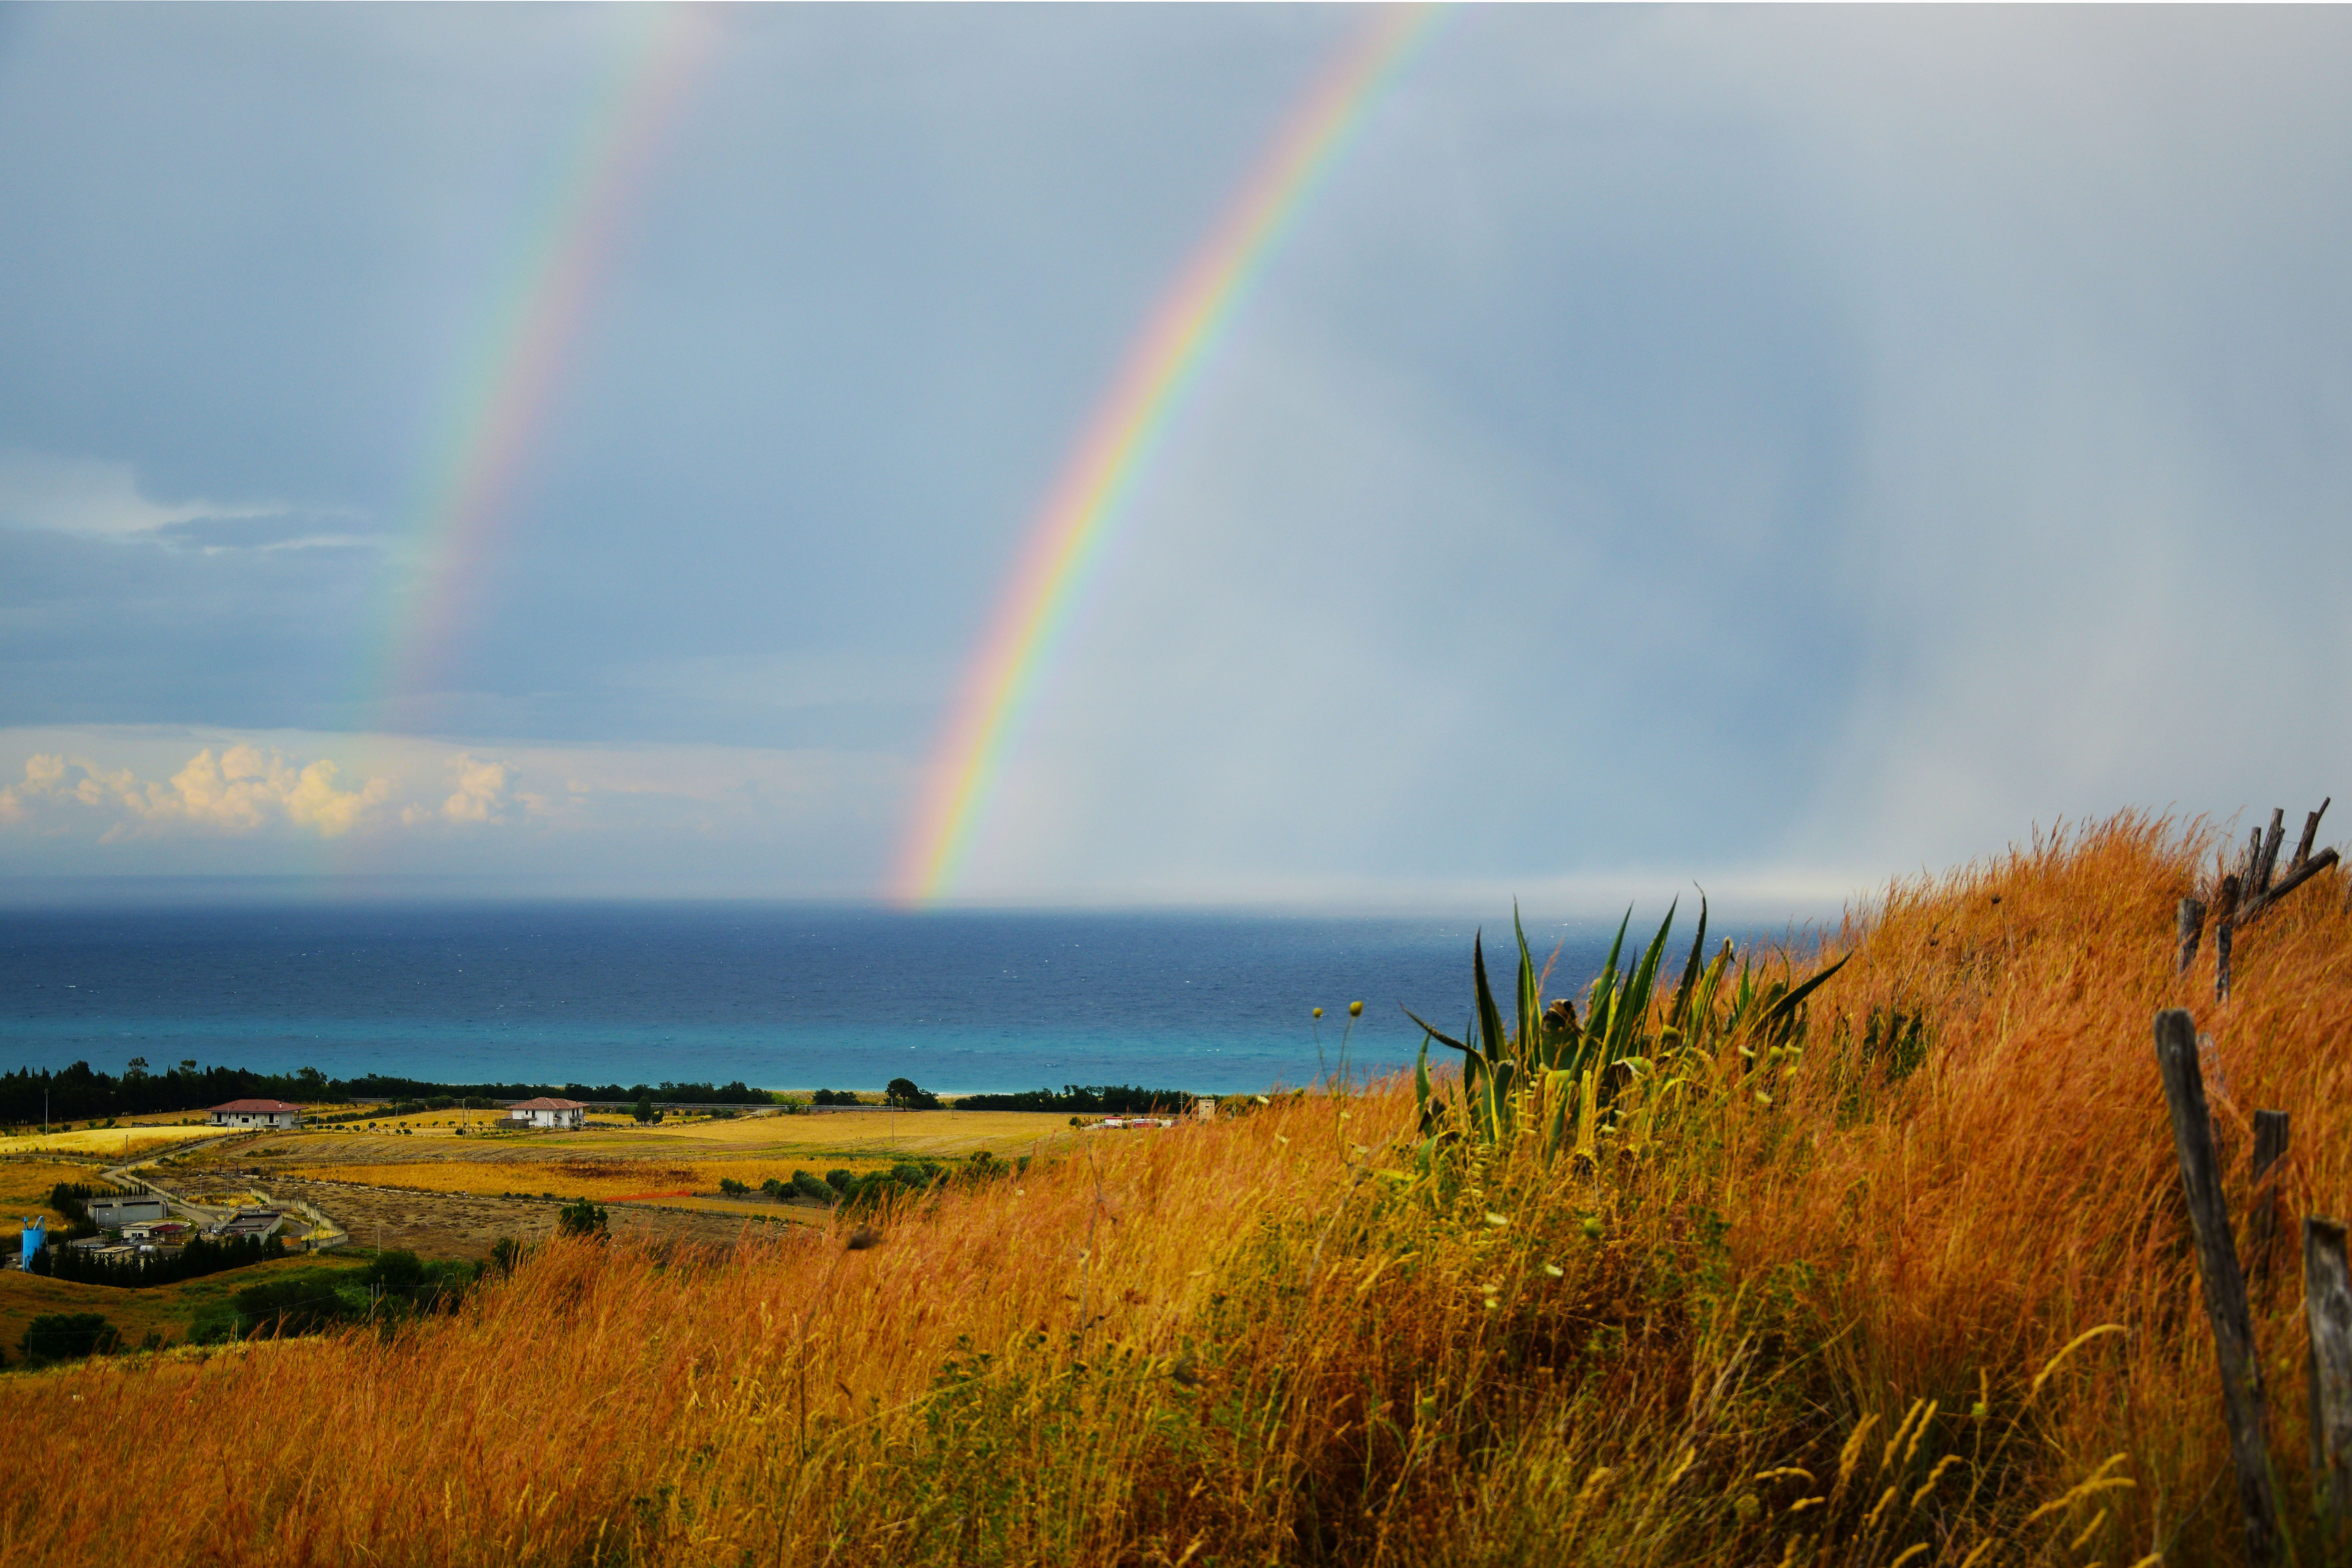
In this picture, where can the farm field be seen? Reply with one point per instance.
(442, 1184)
(455, 1225)
(672, 1154)
(128, 1140)
(25, 1185)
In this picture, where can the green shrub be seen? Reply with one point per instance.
(68, 1336)
(583, 1218)
(213, 1326)
(286, 1307)
(809, 1187)
(733, 1189)
(399, 1269)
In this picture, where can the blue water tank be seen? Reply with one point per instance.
(36, 1235)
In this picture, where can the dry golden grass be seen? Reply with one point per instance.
(1951, 1320)
(112, 1143)
(910, 1135)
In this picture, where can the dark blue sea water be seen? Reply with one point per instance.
(780, 996)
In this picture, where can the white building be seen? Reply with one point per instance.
(255, 1113)
(546, 1112)
(114, 1213)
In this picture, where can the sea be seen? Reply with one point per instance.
(779, 997)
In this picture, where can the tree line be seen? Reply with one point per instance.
(80, 1094)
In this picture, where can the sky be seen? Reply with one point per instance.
(580, 450)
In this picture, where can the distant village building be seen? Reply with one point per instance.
(114, 1213)
(547, 1113)
(254, 1222)
(255, 1113)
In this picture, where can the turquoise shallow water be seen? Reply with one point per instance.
(778, 995)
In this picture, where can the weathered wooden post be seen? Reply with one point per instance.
(2310, 833)
(2192, 926)
(2328, 1309)
(2243, 1406)
(2225, 927)
(2267, 864)
(2262, 1206)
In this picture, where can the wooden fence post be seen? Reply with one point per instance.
(2310, 833)
(2242, 1405)
(2268, 866)
(2192, 926)
(2263, 1205)
(2328, 1309)
(2225, 927)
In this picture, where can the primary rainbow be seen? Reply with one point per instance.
(1067, 537)
(502, 400)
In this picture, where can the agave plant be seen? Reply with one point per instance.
(1564, 1077)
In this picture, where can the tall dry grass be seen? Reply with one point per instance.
(1947, 1317)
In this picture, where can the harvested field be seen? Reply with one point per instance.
(747, 1148)
(438, 1225)
(25, 1186)
(603, 1180)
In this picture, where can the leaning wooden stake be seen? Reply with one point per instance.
(2294, 879)
(2310, 834)
(2225, 930)
(2242, 1404)
(2328, 1309)
(2267, 864)
(2261, 1209)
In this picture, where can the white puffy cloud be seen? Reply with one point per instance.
(484, 794)
(116, 800)
(239, 789)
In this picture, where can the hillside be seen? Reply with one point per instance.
(1900, 1276)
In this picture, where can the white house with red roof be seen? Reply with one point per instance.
(255, 1113)
(546, 1112)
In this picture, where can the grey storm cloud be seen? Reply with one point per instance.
(1786, 446)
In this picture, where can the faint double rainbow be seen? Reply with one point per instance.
(463, 499)
(1066, 540)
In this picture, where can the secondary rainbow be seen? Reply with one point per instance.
(1119, 441)
(501, 402)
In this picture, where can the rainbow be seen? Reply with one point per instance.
(1066, 540)
(502, 398)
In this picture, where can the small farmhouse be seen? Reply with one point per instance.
(255, 1113)
(546, 1112)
